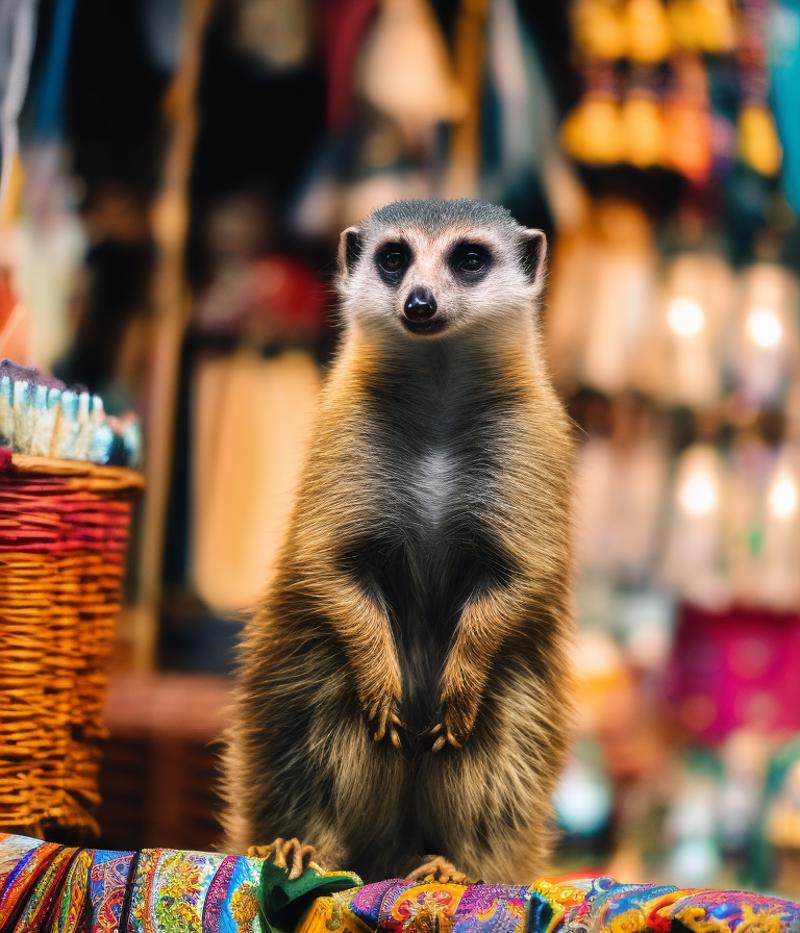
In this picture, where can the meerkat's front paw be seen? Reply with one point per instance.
(289, 854)
(458, 715)
(438, 870)
(383, 719)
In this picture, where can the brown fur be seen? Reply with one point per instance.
(322, 674)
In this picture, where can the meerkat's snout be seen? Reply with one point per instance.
(420, 312)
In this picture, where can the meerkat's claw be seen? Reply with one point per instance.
(443, 738)
(438, 870)
(383, 716)
(289, 854)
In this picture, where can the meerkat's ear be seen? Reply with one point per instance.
(534, 251)
(349, 249)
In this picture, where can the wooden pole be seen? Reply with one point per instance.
(469, 52)
(171, 305)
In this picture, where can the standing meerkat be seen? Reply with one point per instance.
(403, 692)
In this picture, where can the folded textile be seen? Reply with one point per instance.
(48, 887)
(42, 416)
(60, 889)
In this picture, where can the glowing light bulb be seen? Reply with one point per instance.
(782, 497)
(698, 494)
(685, 316)
(763, 327)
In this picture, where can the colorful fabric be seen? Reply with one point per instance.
(72, 911)
(108, 881)
(600, 905)
(58, 889)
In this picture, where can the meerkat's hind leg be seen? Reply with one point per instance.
(436, 868)
(289, 854)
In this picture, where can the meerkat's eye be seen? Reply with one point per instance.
(392, 260)
(470, 261)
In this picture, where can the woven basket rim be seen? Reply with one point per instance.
(122, 477)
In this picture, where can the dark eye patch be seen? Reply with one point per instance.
(392, 260)
(470, 262)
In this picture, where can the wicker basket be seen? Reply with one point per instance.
(63, 536)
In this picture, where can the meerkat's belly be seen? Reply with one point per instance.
(428, 557)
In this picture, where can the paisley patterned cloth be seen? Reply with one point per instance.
(56, 889)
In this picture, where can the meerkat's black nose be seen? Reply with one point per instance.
(420, 305)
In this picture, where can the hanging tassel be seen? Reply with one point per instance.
(21, 53)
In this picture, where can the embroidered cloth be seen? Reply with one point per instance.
(58, 889)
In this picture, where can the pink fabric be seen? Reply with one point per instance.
(736, 668)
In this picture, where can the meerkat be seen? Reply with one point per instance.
(403, 700)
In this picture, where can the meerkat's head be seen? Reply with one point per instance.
(434, 268)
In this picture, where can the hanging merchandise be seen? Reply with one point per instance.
(779, 579)
(404, 70)
(621, 484)
(17, 34)
(694, 558)
(618, 288)
(752, 463)
(52, 244)
(662, 84)
(48, 93)
(687, 119)
(277, 33)
(619, 117)
(524, 121)
(692, 321)
(765, 339)
(643, 125)
(48, 239)
(344, 25)
(599, 28)
(521, 164)
(703, 26)
(251, 426)
(758, 145)
(526, 115)
(594, 132)
(383, 115)
(649, 35)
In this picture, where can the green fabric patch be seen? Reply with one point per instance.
(285, 900)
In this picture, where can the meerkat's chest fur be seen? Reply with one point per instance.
(436, 485)
(433, 466)
(435, 448)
